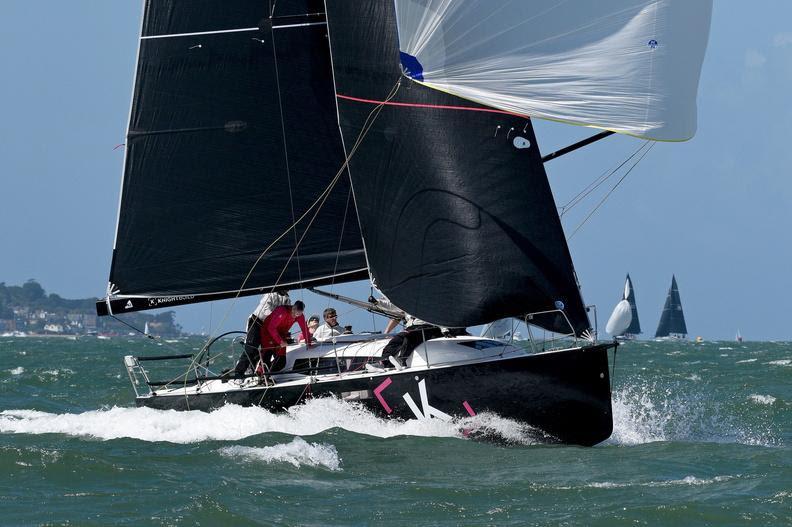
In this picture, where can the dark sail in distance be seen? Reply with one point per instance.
(672, 321)
(233, 135)
(635, 324)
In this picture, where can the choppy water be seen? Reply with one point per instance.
(703, 436)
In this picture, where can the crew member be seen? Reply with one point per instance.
(331, 328)
(266, 306)
(275, 333)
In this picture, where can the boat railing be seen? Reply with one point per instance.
(555, 340)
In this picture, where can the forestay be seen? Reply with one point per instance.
(631, 66)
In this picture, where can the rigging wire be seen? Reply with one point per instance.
(285, 147)
(317, 204)
(596, 183)
(604, 198)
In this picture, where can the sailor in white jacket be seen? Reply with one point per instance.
(331, 328)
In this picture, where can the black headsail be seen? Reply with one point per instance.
(635, 324)
(672, 321)
(456, 211)
(233, 135)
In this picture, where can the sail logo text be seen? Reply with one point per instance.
(168, 299)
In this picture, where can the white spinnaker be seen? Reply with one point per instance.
(631, 66)
(620, 319)
(627, 289)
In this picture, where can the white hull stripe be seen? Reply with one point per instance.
(241, 30)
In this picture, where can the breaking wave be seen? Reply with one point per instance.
(645, 412)
(297, 453)
(232, 422)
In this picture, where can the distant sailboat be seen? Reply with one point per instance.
(672, 321)
(738, 337)
(634, 329)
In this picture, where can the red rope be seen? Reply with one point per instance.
(433, 106)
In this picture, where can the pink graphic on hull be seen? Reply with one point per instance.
(378, 394)
(468, 408)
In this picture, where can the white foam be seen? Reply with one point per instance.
(687, 480)
(636, 418)
(297, 453)
(744, 361)
(762, 399)
(17, 371)
(232, 422)
(782, 362)
(647, 412)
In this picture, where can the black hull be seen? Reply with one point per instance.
(565, 394)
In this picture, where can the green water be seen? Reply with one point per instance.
(702, 437)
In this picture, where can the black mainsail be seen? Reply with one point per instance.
(672, 321)
(629, 294)
(232, 137)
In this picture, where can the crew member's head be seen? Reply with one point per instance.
(298, 308)
(313, 322)
(330, 317)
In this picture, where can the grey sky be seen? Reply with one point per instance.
(716, 210)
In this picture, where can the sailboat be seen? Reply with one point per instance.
(672, 321)
(738, 337)
(298, 144)
(634, 329)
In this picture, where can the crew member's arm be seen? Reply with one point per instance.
(304, 328)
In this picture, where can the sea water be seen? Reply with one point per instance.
(702, 436)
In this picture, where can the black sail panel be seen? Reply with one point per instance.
(635, 324)
(457, 215)
(672, 321)
(233, 136)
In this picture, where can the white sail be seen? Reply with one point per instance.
(620, 319)
(631, 66)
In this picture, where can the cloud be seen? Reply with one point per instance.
(781, 40)
(754, 59)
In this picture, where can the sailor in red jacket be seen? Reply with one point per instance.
(275, 331)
